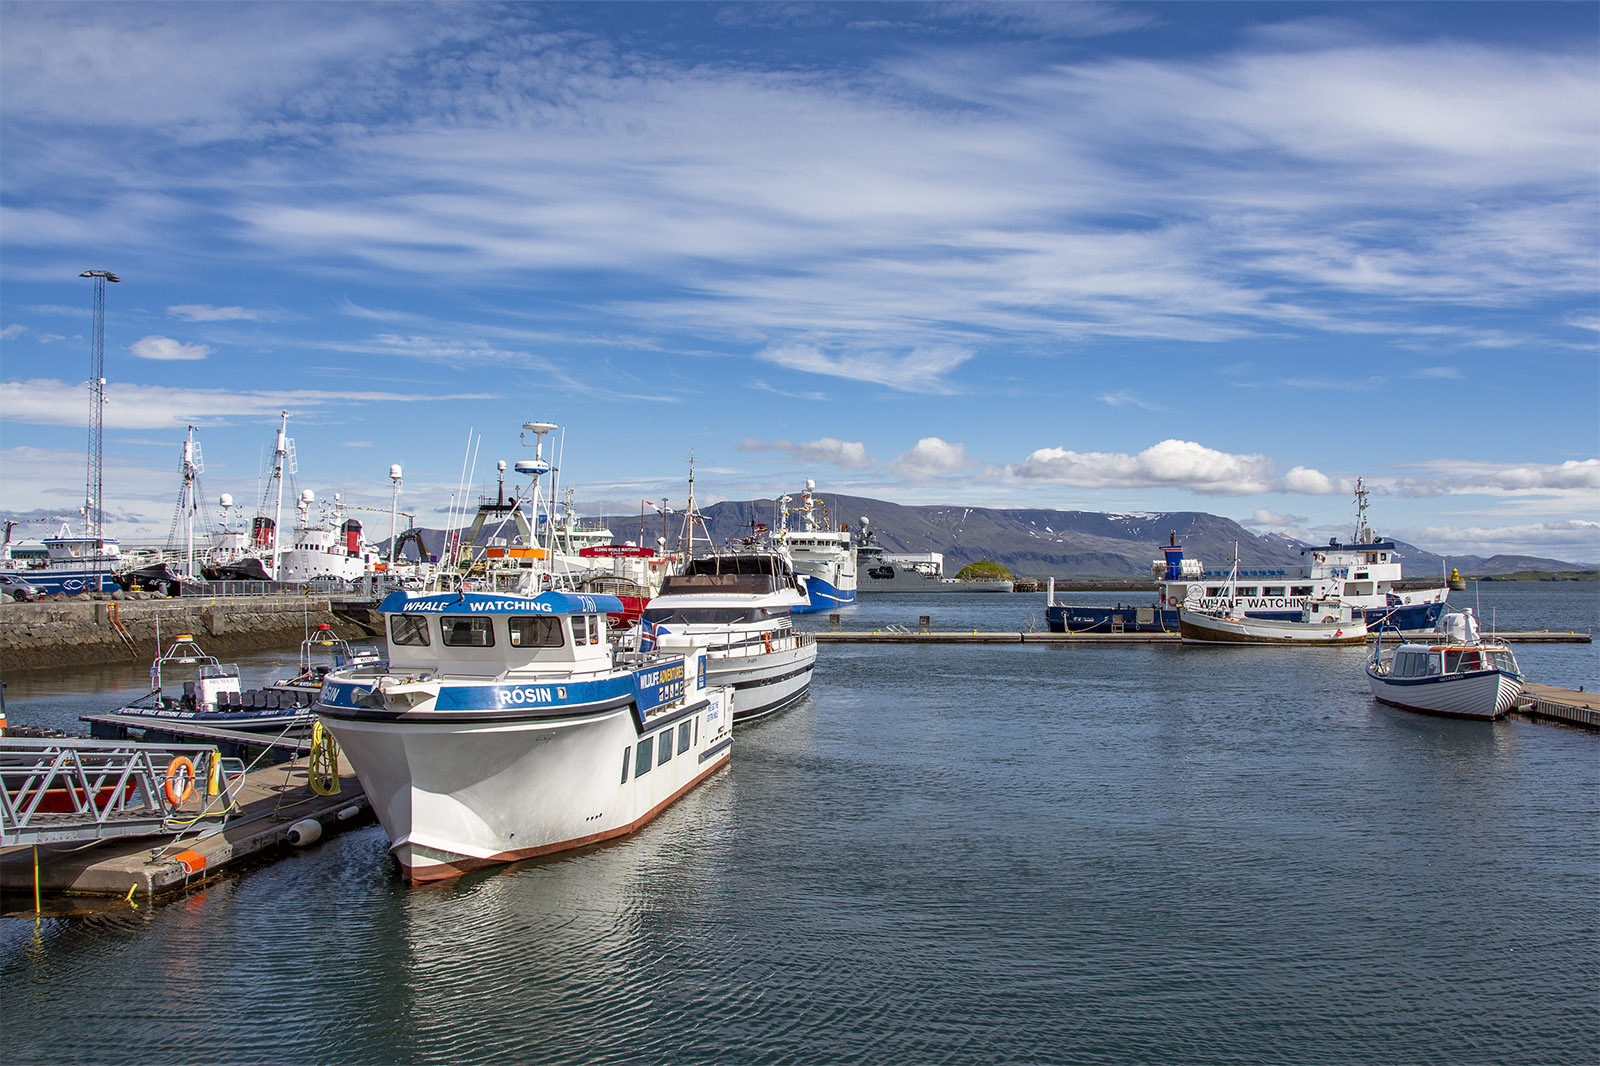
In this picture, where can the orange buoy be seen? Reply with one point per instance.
(180, 780)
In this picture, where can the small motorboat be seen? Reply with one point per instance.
(191, 687)
(1457, 673)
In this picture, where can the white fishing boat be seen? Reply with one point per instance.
(822, 555)
(1458, 673)
(1321, 623)
(506, 726)
(735, 605)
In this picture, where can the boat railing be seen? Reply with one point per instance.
(75, 789)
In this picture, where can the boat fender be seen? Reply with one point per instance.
(349, 812)
(306, 831)
(180, 780)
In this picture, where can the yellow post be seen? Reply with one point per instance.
(36, 911)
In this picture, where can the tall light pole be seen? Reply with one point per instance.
(394, 505)
(93, 489)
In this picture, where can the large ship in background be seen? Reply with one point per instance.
(1363, 573)
(881, 571)
(821, 554)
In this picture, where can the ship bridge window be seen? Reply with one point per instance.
(534, 631)
(465, 632)
(411, 629)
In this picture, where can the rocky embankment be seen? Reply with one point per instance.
(77, 631)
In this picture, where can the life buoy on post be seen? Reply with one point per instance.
(767, 638)
(180, 780)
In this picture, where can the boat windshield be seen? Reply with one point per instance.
(704, 615)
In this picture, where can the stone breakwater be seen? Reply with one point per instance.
(81, 632)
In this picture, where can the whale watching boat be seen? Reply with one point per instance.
(734, 604)
(1362, 573)
(1321, 622)
(822, 556)
(506, 726)
(1457, 673)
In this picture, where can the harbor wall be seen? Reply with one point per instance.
(79, 632)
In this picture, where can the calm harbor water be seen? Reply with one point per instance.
(1110, 854)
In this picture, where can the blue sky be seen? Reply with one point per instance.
(1102, 256)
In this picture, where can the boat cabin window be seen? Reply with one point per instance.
(585, 629)
(704, 615)
(645, 757)
(1461, 661)
(1300, 590)
(1272, 590)
(534, 631)
(664, 745)
(1247, 590)
(467, 632)
(683, 738)
(1503, 660)
(409, 629)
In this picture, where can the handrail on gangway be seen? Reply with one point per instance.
(62, 790)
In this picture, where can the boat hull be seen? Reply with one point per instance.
(458, 796)
(822, 595)
(904, 581)
(1072, 618)
(1484, 695)
(1198, 628)
(764, 682)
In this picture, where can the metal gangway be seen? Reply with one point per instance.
(64, 790)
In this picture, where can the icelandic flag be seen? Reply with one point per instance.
(648, 632)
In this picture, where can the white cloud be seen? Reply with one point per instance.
(1171, 463)
(1314, 483)
(207, 313)
(931, 457)
(920, 370)
(847, 455)
(165, 348)
(12, 331)
(1571, 541)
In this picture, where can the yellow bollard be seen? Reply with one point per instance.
(214, 778)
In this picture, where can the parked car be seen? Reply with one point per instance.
(15, 588)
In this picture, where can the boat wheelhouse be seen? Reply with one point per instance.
(1457, 673)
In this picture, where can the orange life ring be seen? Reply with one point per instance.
(179, 770)
(768, 638)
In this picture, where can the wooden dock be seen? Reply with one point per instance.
(973, 636)
(1560, 705)
(271, 800)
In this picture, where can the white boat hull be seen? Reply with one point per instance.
(455, 797)
(764, 681)
(1199, 627)
(1484, 694)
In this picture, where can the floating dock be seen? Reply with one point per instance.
(1560, 705)
(274, 808)
(919, 635)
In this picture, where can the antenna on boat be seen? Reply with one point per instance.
(1363, 534)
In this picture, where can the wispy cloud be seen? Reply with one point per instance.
(207, 313)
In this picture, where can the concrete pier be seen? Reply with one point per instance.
(271, 800)
(79, 632)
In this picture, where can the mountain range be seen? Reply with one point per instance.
(1042, 543)
(1065, 544)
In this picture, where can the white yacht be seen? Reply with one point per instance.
(506, 726)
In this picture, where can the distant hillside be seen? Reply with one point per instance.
(1072, 545)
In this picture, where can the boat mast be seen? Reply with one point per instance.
(686, 542)
(1363, 534)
